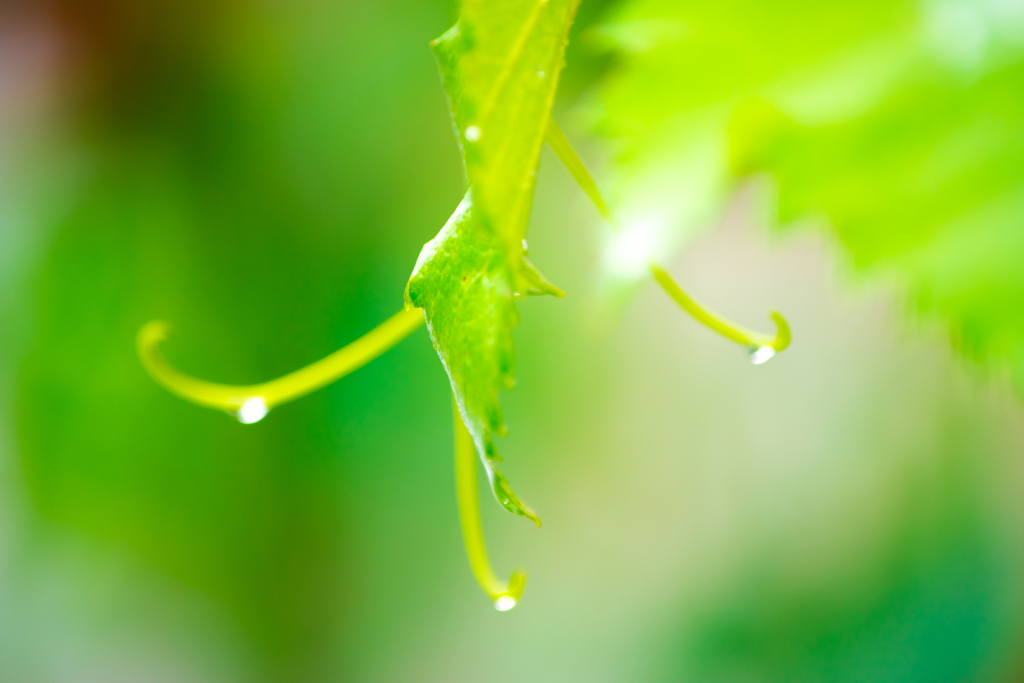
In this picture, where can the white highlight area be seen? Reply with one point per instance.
(504, 603)
(630, 251)
(253, 410)
(762, 354)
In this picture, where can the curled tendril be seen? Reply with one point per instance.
(740, 335)
(761, 347)
(251, 403)
(505, 596)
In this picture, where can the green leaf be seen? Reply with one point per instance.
(900, 122)
(462, 283)
(500, 65)
(665, 109)
(930, 185)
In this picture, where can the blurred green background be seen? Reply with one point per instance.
(263, 175)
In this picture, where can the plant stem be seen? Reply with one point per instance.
(567, 154)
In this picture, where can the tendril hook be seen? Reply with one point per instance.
(505, 596)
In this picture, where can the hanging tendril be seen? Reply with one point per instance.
(761, 347)
(505, 596)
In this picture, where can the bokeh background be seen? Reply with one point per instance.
(263, 175)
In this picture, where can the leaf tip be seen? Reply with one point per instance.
(507, 498)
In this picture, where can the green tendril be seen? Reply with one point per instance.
(761, 347)
(571, 160)
(251, 403)
(504, 596)
(753, 340)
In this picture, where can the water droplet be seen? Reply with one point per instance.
(504, 603)
(541, 74)
(253, 410)
(761, 354)
(526, 249)
(473, 133)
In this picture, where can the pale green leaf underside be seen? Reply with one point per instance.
(930, 185)
(901, 122)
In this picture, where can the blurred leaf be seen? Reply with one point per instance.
(930, 183)
(500, 66)
(901, 122)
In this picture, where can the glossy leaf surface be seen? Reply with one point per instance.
(500, 67)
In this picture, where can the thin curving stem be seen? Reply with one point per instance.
(711, 320)
(762, 347)
(567, 155)
(251, 403)
(504, 596)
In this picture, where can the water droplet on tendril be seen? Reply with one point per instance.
(253, 410)
(504, 603)
(473, 133)
(761, 354)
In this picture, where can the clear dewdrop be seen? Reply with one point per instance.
(473, 133)
(504, 603)
(253, 410)
(761, 354)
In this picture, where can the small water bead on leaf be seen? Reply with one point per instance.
(541, 74)
(253, 410)
(473, 133)
(504, 603)
(761, 354)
